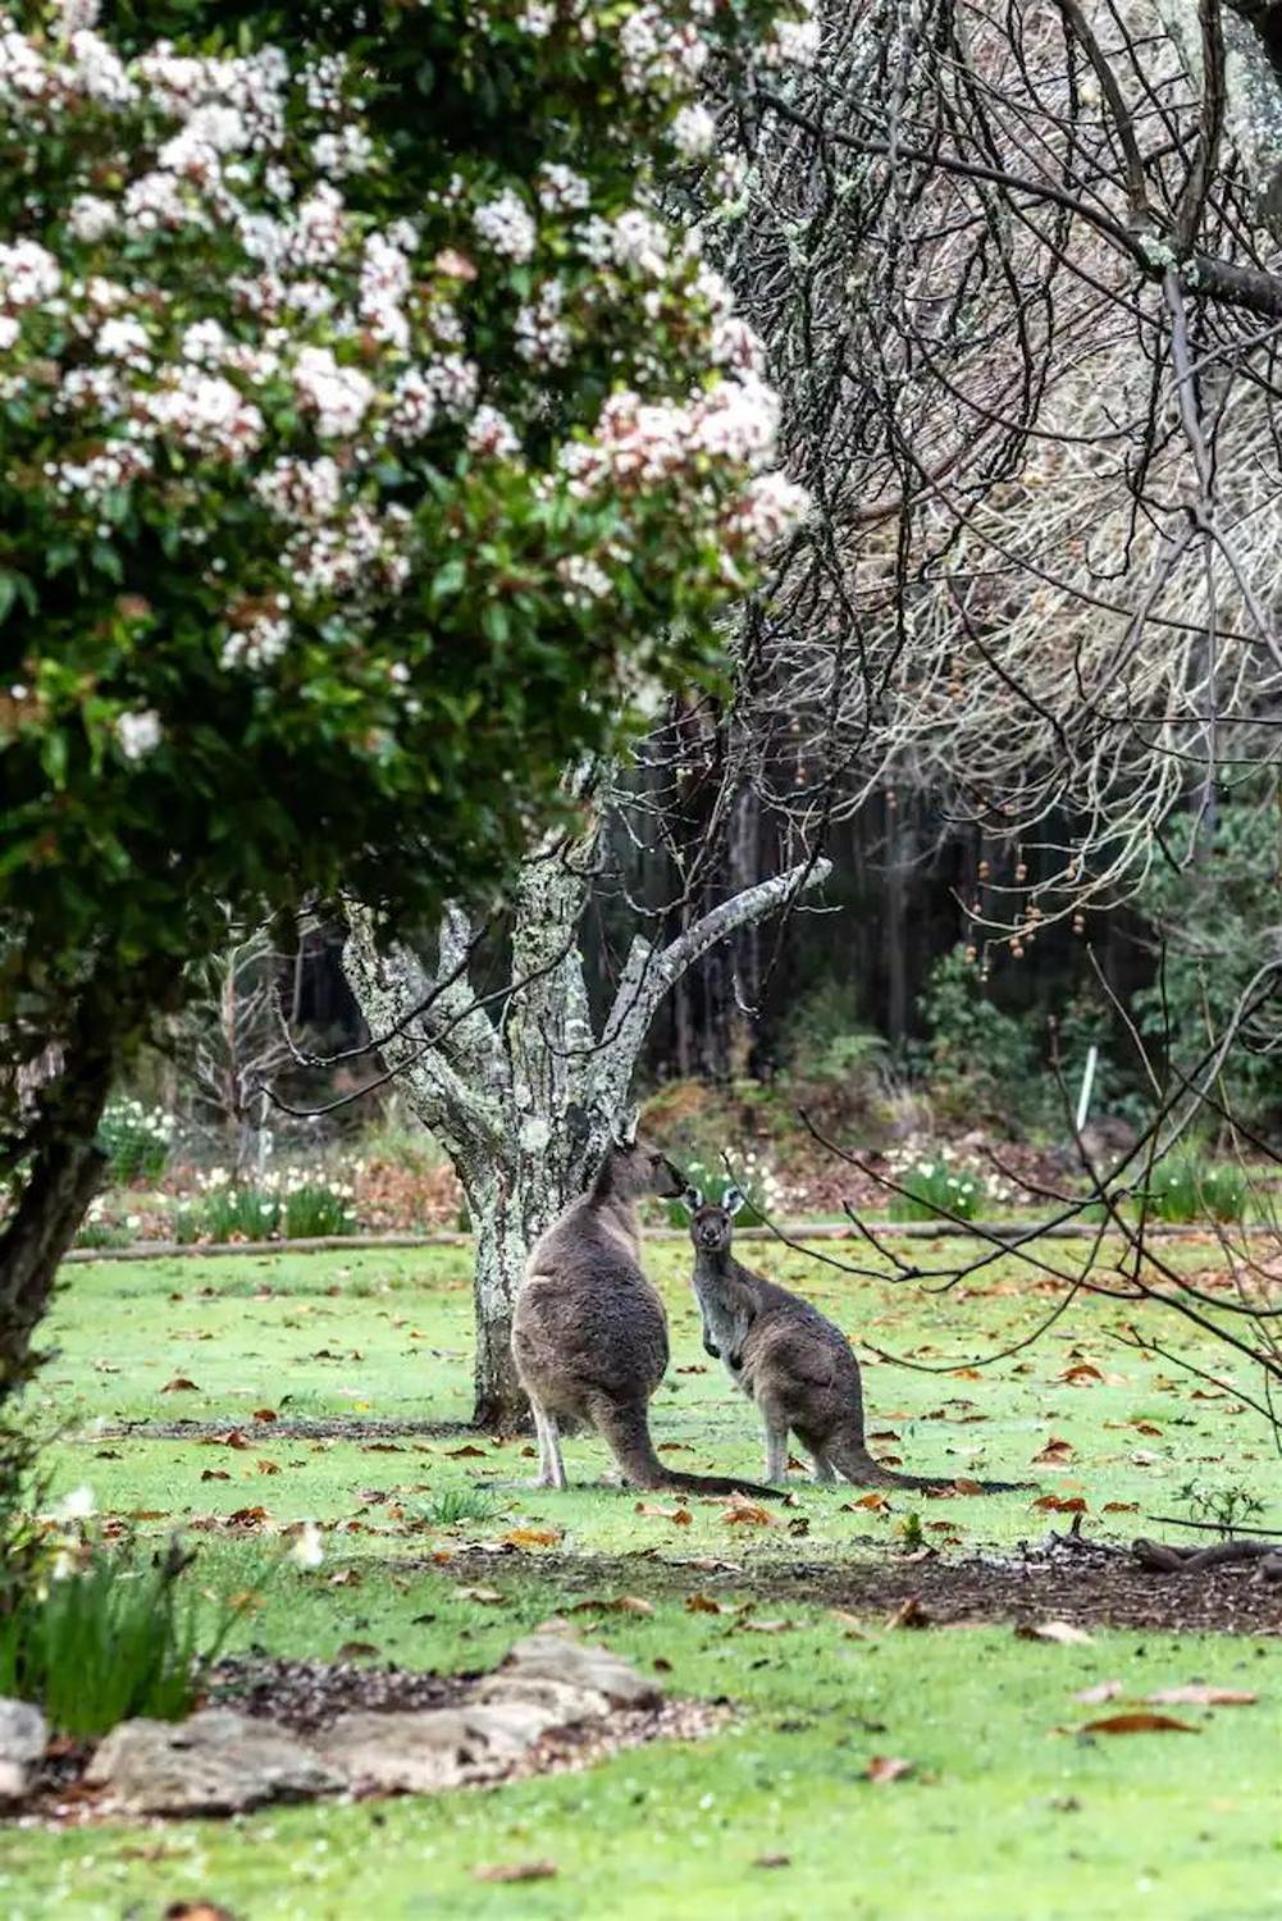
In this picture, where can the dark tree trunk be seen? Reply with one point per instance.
(65, 1170)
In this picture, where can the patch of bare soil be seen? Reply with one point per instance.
(306, 1696)
(1087, 1583)
(336, 1427)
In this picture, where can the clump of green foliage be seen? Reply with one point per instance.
(1186, 1187)
(935, 1189)
(980, 1059)
(136, 1141)
(1215, 919)
(124, 1636)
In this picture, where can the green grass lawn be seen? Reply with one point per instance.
(1009, 1813)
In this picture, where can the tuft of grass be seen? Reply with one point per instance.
(122, 1638)
(455, 1504)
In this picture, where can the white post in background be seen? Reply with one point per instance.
(1088, 1087)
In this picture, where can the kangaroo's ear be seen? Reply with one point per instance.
(625, 1132)
(693, 1199)
(733, 1200)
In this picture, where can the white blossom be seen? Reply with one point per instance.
(693, 131)
(340, 397)
(90, 217)
(302, 492)
(308, 1550)
(79, 1505)
(638, 240)
(491, 432)
(507, 225)
(28, 273)
(139, 734)
(560, 190)
(537, 18)
(348, 151)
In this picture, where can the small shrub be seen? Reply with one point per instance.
(93, 1234)
(934, 1188)
(238, 1213)
(315, 1210)
(1227, 1508)
(1183, 1188)
(120, 1636)
(455, 1504)
(136, 1141)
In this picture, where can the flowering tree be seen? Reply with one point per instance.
(364, 434)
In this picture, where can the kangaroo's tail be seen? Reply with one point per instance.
(852, 1459)
(626, 1432)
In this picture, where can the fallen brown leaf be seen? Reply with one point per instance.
(267, 1467)
(1096, 1696)
(485, 1596)
(884, 1768)
(180, 1385)
(516, 1871)
(747, 1514)
(773, 1861)
(265, 1414)
(250, 1517)
(357, 1651)
(679, 1516)
(703, 1604)
(910, 1614)
(1062, 1503)
(765, 1627)
(854, 1630)
(533, 1537)
(1196, 1694)
(466, 1453)
(1062, 1632)
(1138, 1721)
(1054, 1450)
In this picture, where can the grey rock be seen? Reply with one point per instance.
(553, 1657)
(217, 1762)
(23, 1734)
(561, 1699)
(418, 1753)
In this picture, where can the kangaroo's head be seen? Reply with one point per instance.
(712, 1225)
(636, 1167)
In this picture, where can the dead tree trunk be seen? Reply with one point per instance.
(523, 1094)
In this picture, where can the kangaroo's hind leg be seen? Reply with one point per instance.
(551, 1466)
(775, 1422)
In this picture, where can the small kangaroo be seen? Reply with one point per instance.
(589, 1332)
(787, 1357)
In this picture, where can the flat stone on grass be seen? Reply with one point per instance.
(554, 1657)
(217, 1762)
(23, 1735)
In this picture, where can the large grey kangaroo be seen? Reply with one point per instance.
(589, 1334)
(787, 1357)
